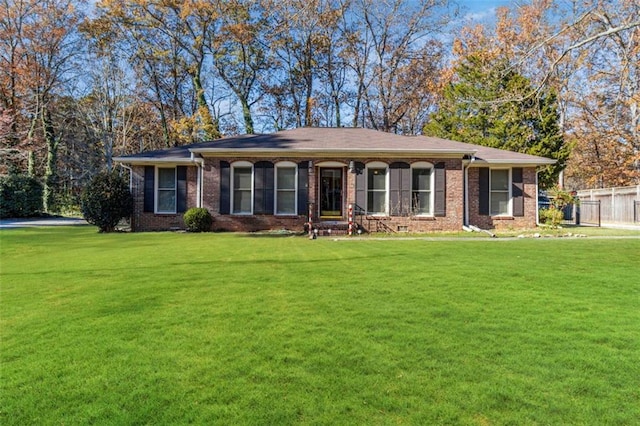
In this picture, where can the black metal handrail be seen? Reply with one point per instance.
(361, 215)
(358, 216)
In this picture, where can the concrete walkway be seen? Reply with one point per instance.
(629, 226)
(40, 221)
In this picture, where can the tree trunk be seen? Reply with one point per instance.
(246, 114)
(31, 165)
(308, 79)
(163, 116)
(51, 171)
(210, 126)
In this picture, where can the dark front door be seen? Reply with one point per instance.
(331, 192)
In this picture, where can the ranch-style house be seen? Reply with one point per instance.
(324, 178)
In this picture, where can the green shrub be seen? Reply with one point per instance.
(551, 216)
(560, 200)
(106, 200)
(20, 196)
(198, 219)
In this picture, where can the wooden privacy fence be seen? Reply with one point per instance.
(616, 205)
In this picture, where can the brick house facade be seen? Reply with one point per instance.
(376, 180)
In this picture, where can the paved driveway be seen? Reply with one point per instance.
(39, 221)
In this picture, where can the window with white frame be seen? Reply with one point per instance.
(286, 179)
(166, 190)
(242, 188)
(500, 193)
(421, 189)
(377, 188)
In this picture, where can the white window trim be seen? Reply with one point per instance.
(240, 164)
(157, 189)
(288, 165)
(509, 194)
(425, 165)
(378, 165)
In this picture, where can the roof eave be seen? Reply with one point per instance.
(478, 162)
(142, 161)
(330, 153)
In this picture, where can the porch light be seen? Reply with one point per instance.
(310, 166)
(352, 166)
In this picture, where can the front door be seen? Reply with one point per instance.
(331, 192)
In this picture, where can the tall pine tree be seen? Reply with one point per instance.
(492, 105)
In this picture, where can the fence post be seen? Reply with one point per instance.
(613, 204)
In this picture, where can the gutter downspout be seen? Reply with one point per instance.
(134, 217)
(537, 194)
(465, 189)
(199, 161)
(537, 200)
(130, 175)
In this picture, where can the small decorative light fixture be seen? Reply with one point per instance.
(352, 166)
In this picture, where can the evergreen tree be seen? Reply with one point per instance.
(492, 105)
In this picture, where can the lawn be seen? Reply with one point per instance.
(174, 328)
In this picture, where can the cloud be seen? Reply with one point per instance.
(480, 16)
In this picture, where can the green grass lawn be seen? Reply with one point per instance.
(174, 328)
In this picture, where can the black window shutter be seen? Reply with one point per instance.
(440, 186)
(361, 184)
(181, 186)
(225, 187)
(263, 172)
(399, 188)
(303, 187)
(149, 188)
(483, 190)
(517, 191)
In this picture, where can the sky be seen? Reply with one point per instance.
(481, 10)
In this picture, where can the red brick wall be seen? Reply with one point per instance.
(496, 222)
(454, 203)
(243, 223)
(453, 220)
(142, 221)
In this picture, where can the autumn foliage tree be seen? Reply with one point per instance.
(587, 54)
(489, 104)
(40, 49)
(137, 75)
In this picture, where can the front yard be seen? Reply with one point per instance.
(171, 328)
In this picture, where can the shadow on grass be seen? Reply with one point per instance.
(214, 263)
(275, 234)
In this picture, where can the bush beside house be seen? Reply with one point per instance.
(106, 200)
(198, 219)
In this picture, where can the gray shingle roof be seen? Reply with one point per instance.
(318, 141)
